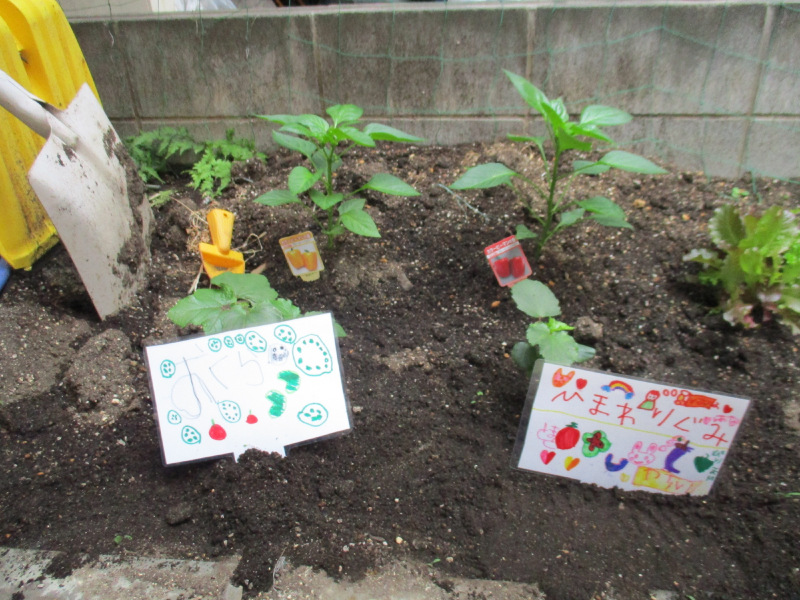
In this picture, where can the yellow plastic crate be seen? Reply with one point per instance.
(39, 50)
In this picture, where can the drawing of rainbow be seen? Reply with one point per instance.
(619, 385)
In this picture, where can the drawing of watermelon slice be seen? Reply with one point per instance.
(190, 435)
(230, 411)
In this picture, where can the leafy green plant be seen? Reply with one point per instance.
(757, 264)
(151, 150)
(560, 211)
(159, 199)
(236, 301)
(118, 539)
(318, 141)
(212, 173)
(549, 339)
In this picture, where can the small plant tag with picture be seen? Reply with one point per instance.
(270, 387)
(302, 254)
(508, 261)
(619, 431)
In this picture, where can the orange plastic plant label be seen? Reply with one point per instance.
(302, 254)
(508, 261)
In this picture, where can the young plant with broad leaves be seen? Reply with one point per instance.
(757, 264)
(318, 140)
(548, 339)
(560, 210)
(236, 301)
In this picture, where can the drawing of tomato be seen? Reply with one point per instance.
(517, 267)
(502, 268)
(251, 418)
(217, 432)
(296, 258)
(568, 437)
(310, 260)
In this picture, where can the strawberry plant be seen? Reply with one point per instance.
(549, 339)
(318, 140)
(756, 263)
(560, 210)
(236, 301)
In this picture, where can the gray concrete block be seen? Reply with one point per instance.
(106, 60)
(772, 147)
(780, 83)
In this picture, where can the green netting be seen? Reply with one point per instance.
(712, 85)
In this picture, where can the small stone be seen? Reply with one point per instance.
(496, 303)
(346, 549)
(179, 513)
(685, 217)
(587, 331)
(449, 559)
(398, 540)
(639, 203)
(357, 409)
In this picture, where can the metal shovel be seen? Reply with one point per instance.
(97, 206)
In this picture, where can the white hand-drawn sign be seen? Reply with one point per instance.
(268, 387)
(625, 432)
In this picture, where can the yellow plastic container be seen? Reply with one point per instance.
(39, 50)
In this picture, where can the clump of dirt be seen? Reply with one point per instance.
(425, 473)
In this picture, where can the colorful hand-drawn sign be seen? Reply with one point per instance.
(618, 431)
(209, 392)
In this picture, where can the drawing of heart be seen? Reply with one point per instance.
(547, 456)
(727, 409)
(580, 383)
(570, 463)
(624, 477)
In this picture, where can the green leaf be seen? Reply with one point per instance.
(526, 139)
(726, 227)
(320, 163)
(323, 201)
(334, 231)
(535, 299)
(625, 161)
(389, 134)
(585, 353)
(561, 109)
(554, 325)
(352, 204)
(484, 176)
(704, 257)
(301, 179)
(294, 143)
(523, 233)
(605, 212)
(344, 113)
(588, 131)
(585, 167)
(338, 330)
(285, 308)
(604, 116)
(389, 184)
(277, 197)
(359, 222)
(559, 347)
(553, 117)
(246, 286)
(203, 309)
(525, 356)
(316, 125)
(279, 119)
(298, 129)
(569, 217)
(529, 92)
(537, 332)
(774, 233)
(570, 142)
(359, 137)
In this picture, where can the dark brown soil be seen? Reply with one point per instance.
(425, 473)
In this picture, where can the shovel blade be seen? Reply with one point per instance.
(98, 208)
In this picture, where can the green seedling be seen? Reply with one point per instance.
(549, 339)
(560, 210)
(159, 199)
(756, 263)
(236, 301)
(118, 539)
(212, 173)
(318, 140)
(151, 150)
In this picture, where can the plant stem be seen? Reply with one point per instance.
(548, 222)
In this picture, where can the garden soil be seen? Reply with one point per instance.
(425, 474)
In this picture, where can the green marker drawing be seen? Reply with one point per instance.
(228, 341)
(214, 345)
(190, 435)
(278, 401)
(230, 411)
(239, 338)
(167, 368)
(292, 380)
(173, 417)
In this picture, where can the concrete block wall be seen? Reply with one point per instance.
(713, 85)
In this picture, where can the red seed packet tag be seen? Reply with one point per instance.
(508, 261)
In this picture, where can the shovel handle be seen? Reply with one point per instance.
(28, 109)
